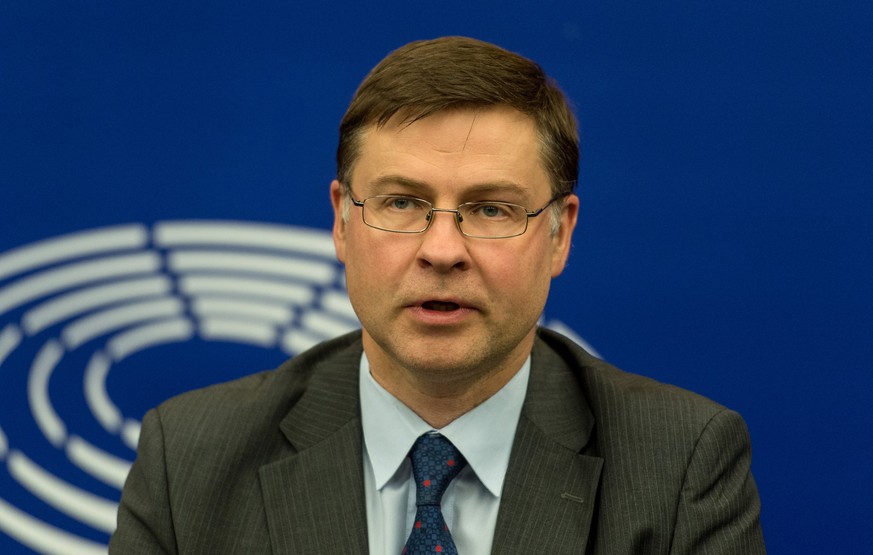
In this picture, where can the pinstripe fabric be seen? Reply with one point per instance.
(245, 467)
(603, 462)
(675, 472)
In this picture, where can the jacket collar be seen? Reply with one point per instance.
(551, 487)
(314, 498)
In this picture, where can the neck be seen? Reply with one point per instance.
(439, 398)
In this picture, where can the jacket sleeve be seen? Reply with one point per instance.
(145, 523)
(719, 508)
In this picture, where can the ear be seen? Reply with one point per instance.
(339, 223)
(563, 238)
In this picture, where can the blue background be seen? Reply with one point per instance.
(724, 241)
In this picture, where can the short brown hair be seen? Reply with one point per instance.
(426, 77)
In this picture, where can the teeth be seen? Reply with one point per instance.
(440, 306)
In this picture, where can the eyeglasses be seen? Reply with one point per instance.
(482, 220)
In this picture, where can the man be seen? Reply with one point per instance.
(450, 423)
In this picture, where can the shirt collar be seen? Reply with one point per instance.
(390, 428)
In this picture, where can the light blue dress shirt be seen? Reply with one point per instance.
(484, 436)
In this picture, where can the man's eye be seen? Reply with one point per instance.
(490, 211)
(401, 203)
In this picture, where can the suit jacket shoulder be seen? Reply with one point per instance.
(603, 462)
(644, 467)
(202, 481)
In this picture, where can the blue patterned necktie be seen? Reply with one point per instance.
(435, 462)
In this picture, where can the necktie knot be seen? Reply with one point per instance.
(435, 462)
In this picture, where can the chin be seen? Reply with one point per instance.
(446, 362)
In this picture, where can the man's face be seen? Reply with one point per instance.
(439, 306)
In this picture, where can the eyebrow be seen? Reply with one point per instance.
(502, 187)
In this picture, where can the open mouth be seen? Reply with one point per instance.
(440, 306)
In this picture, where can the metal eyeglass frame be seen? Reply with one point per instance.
(457, 212)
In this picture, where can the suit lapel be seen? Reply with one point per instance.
(314, 498)
(550, 489)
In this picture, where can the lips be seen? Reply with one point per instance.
(440, 306)
(445, 313)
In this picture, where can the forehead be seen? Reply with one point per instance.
(452, 151)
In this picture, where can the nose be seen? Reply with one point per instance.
(443, 246)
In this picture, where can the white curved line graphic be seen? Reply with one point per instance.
(130, 433)
(44, 538)
(103, 409)
(59, 309)
(117, 291)
(172, 234)
(10, 338)
(326, 325)
(107, 468)
(165, 331)
(246, 287)
(297, 341)
(72, 275)
(77, 503)
(251, 310)
(563, 329)
(101, 323)
(339, 304)
(74, 245)
(295, 268)
(37, 392)
(262, 335)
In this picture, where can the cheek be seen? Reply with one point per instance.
(522, 272)
(375, 259)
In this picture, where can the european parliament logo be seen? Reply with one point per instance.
(99, 325)
(75, 310)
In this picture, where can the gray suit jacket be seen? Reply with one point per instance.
(603, 462)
